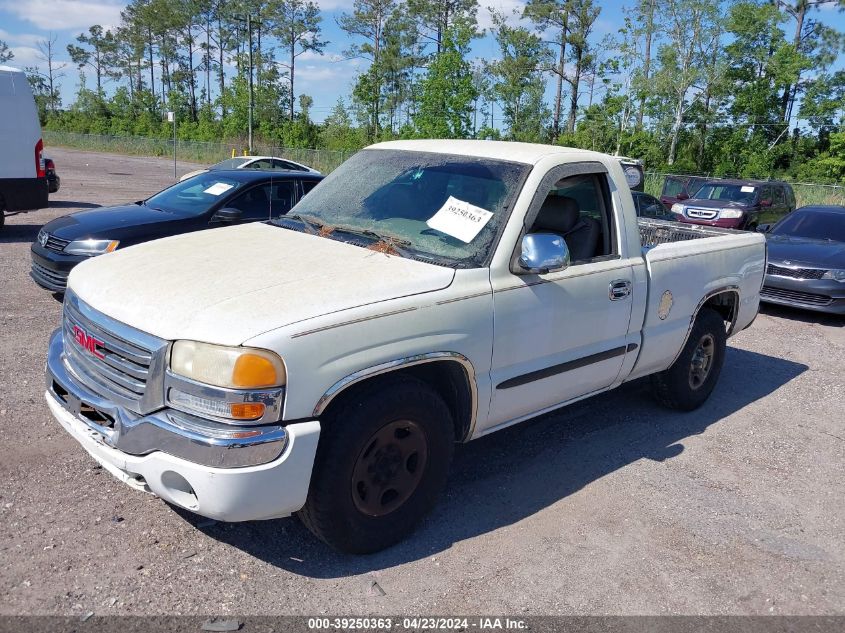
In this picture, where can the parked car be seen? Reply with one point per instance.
(679, 188)
(648, 206)
(53, 180)
(807, 260)
(215, 199)
(254, 162)
(23, 180)
(736, 204)
(326, 362)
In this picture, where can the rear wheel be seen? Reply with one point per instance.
(383, 459)
(693, 375)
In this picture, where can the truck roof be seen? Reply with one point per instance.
(529, 153)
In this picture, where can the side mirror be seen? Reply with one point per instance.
(682, 196)
(227, 214)
(765, 203)
(763, 228)
(543, 253)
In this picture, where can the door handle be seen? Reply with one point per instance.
(619, 289)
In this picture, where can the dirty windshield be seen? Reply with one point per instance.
(441, 208)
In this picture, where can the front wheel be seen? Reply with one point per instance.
(382, 460)
(693, 375)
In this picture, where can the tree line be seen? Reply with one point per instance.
(740, 87)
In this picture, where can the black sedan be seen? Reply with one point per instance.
(807, 260)
(650, 207)
(214, 199)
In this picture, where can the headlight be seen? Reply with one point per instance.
(731, 213)
(838, 275)
(91, 247)
(231, 367)
(678, 208)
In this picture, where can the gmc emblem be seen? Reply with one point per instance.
(86, 341)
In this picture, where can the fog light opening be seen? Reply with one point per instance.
(179, 490)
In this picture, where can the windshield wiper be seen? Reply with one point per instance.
(311, 223)
(379, 237)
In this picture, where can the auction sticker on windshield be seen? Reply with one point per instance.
(747, 189)
(218, 188)
(460, 219)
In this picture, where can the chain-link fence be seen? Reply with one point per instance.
(805, 192)
(192, 151)
(326, 160)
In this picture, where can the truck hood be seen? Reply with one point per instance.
(228, 285)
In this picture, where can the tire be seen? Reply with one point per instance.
(691, 378)
(382, 461)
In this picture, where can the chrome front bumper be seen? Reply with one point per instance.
(175, 433)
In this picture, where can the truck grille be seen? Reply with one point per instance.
(111, 359)
(52, 242)
(768, 292)
(795, 273)
(701, 214)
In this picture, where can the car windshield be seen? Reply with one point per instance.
(731, 193)
(812, 224)
(231, 163)
(194, 196)
(435, 207)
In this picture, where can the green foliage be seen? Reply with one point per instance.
(6, 55)
(447, 91)
(740, 88)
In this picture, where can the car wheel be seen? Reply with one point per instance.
(382, 461)
(693, 375)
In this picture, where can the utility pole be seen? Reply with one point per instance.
(248, 21)
(249, 28)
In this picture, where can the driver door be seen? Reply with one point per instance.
(562, 335)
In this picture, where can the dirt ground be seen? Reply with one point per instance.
(612, 506)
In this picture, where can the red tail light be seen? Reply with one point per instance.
(49, 164)
(39, 159)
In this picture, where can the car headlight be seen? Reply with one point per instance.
(731, 213)
(678, 208)
(91, 247)
(229, 367)
(836, 274)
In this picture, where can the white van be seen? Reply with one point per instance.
(23, 178)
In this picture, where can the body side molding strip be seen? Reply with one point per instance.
(554, 370)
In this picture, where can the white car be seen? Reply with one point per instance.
(327, 361)
(253, 162)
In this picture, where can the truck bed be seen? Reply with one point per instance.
(685, 263)
(656, 232)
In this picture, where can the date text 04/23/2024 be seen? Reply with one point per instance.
(417, 623)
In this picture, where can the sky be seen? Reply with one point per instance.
(23, 23)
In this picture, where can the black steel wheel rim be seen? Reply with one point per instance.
(389, 468)
(702, 361)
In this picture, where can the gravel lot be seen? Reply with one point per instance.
(612, 506)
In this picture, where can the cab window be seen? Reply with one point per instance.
(577, 209)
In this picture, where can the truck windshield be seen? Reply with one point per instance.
(442, 208)
(731, 193)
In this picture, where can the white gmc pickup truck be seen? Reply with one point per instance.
(425, 293)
